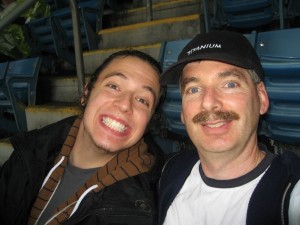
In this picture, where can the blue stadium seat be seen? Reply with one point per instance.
(54, 34)
(6, 109)
(293, 9)
(169, 52)
(172, 103)
(279, 52)
(248, 13)
(3, 69)
(21, 82)
(243, 14)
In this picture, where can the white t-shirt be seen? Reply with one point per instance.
(198, 203)
(205, 201)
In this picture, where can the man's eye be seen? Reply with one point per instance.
(231, 84)
(143, 101)
(112, 86)
(193, 90)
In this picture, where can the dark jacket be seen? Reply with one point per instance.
(269, 202)
(130, 201)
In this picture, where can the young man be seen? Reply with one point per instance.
(90, 169)
(230, 179)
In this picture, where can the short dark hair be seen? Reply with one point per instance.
(123, 53)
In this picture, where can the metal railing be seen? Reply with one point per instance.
(15, 13)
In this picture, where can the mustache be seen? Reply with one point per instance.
(205, 116)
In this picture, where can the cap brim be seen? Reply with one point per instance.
(173, 73)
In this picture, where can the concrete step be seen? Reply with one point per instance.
(150, 32)
(146, 37)
(41, 115)
(160, 10)
(93, 59)
(59, 88)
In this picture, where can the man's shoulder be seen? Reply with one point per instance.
(179, 166)
(291, 161)
(55, 129)
(183, 158)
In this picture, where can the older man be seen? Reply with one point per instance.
(230, 179)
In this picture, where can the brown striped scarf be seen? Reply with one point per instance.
(127, 163)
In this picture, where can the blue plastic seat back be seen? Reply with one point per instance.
(170, 51)
(40, 36)
(53, 35)
(3, 68)
(242, 13)
(21, 78)
(279, 52)
(63, 19)
(4, 102)
(172, 103)
(279, 45)
(293, 9)
(237, 6)
(172, 109)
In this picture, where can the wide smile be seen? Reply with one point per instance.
(114, 125)
(214, 125)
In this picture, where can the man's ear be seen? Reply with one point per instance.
(263, 98)
(84, 95)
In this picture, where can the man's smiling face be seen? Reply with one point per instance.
(121, 103)
(221, 105)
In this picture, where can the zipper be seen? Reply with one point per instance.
(282, 203)
(164, 167)
(56, 214)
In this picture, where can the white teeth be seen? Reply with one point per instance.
(216, 125)
(115, 125)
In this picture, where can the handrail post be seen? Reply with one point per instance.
(206, 16)
(77, 46)
(149, 10)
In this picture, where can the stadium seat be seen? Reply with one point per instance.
(243, 14)
(172, 103)
(6, 122)
(21, 82)
(279, 52)
(54, 34)
(169, 52)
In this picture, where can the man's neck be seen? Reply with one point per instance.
(225, 166)
(85, 154)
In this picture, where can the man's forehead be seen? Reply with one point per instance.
(227, 70)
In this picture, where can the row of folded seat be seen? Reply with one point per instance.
(251, 13)
(53, 35)
(279, 52)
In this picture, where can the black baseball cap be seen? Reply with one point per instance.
(224, 46)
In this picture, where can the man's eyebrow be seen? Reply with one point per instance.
(115, 74)
(187, 80)
(233, 73)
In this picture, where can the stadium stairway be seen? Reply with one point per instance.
(171, 20)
